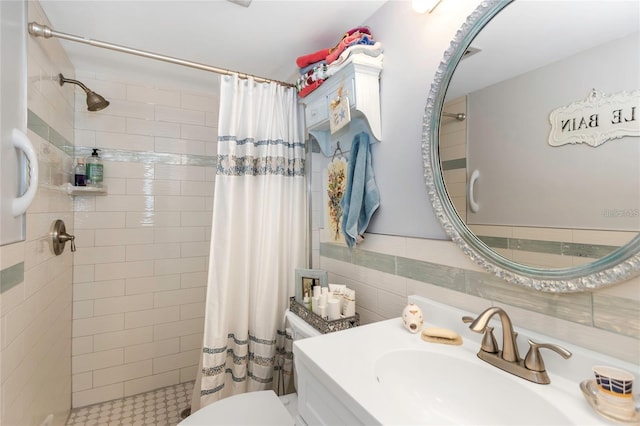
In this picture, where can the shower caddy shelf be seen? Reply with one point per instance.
(69, 189)
(359, 80)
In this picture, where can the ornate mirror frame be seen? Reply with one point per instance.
(620, 265)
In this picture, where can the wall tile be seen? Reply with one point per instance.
(192, 310)
(178, 328)
(132, 303)
(99, 220)
(152, 128)
(145, 384)
(200, 102)
(96, 360)
(152, 251)
(178, 297)
(185, 264)
(179, 203)
(169, 314)
(96, 325)
(157, 348)
(193, 279)
(122, 339)
(152, 284)
(82, 345)
(98, 289)
(153, 219)
(120, 373)
(113, 271)
(82, 381)
(124, 203)
(176, 172)
(179, 115)
(109, 141)
(95, 395)
(95, 255)
(153, 95)
(182, 359)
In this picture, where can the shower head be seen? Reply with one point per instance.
(95, 102)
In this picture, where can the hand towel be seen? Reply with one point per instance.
(361, 197)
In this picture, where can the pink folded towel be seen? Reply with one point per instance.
(344, 43)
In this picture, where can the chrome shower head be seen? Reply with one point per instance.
(95, 102)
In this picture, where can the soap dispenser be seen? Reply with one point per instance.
(94, 169)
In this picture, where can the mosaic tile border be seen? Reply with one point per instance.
(11, 277)
(596, 310)
(561, 248)
(150, 157)
(48, 133)
(40, 127)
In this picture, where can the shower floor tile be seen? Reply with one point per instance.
(158, 407)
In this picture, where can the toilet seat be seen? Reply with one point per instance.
(252, 408)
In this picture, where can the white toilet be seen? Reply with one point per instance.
(255, 408)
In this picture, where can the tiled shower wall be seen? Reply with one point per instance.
(140, 271)
(35, 285)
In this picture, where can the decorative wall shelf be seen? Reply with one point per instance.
(359, 80)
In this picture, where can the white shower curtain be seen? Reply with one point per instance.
(258, 237)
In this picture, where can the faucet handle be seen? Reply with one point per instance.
(533, 360)
(489, 343)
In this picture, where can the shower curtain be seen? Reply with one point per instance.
(258, 239)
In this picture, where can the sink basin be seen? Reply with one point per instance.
(445, 389)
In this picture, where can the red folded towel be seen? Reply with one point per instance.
(311, 58)
(310, 88)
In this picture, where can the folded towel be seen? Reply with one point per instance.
(361, 30)
(344, 43)
(310, 88)
(312, 66)
(374, 50)
(311, 58)
(361, 197)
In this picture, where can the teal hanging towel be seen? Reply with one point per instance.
(361, 197)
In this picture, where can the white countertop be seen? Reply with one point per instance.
(345, 361)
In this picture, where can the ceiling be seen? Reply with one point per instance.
(263, 39)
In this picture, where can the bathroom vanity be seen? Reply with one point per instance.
(382, 374)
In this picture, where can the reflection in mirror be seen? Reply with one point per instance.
(555, 214)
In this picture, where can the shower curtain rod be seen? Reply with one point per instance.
(38, 30)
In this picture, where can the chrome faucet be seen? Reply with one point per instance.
(508, 359)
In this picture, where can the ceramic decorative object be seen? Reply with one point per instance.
(412, 318)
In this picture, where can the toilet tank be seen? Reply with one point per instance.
(299, 328)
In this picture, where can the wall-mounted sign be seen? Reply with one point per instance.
(596, 119)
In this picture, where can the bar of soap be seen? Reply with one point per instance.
(441, 335)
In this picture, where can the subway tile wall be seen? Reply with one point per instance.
(385, 269)
(35, 296)
(140, 271)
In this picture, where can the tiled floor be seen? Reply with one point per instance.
(158, 407)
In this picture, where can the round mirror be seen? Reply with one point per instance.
(525, 163)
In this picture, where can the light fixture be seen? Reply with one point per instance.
(424, 6)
